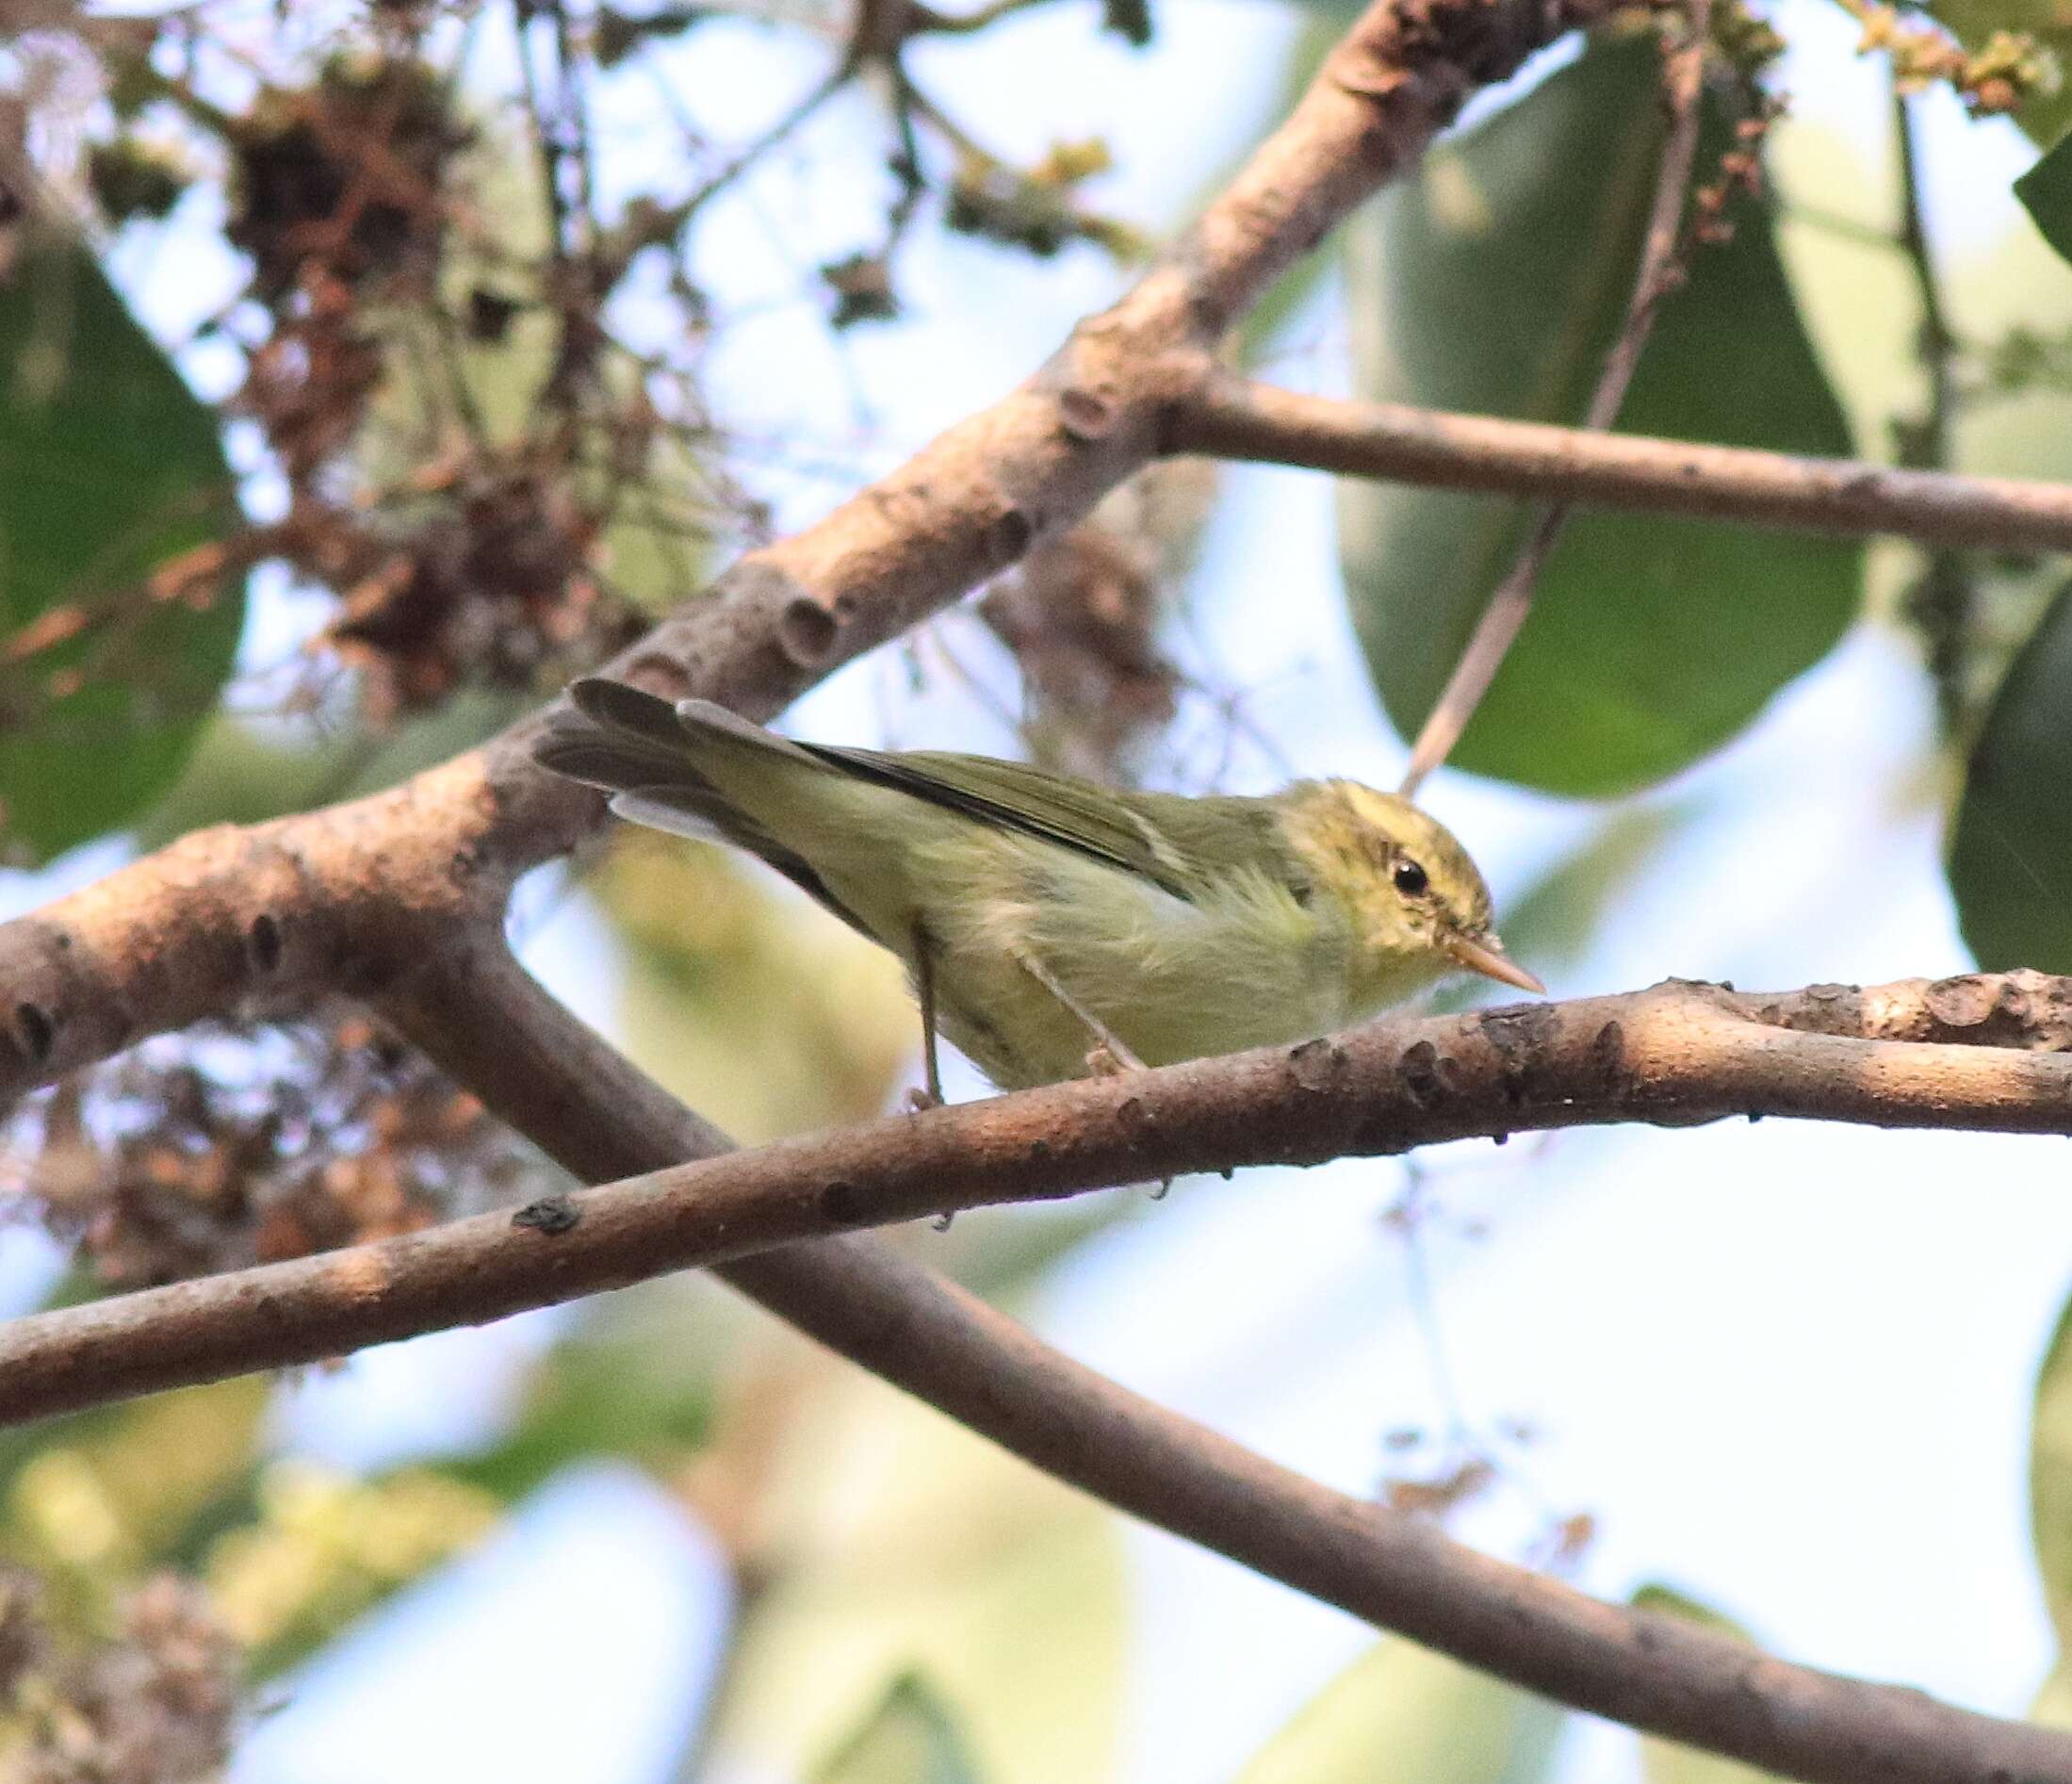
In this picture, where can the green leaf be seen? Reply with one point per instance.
(2011, 854)
(892, 1542)
(910, 1738)
(2050, 1513)
(2046, 194)
(1553, 923)
(625, 1383)
(1493, 281)
(241, 773)
(1556, 919)
(1401, 1711)
(109, 469)
(2052, 1707)
(106, 1495)
(1666, 1762)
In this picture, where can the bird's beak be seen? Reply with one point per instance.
(1487, 956)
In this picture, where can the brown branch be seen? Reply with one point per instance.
(1659, 272)
(1982, 1053)
(1982, 1050)
(1236, 419)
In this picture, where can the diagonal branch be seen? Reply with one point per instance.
(1989, 1049)
(356, 892)
(1985, 1053)
(1237, 419)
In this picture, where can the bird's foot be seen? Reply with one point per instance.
(920, 1101)
(1112, 1059)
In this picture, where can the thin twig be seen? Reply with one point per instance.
(1660, 272)
(815, 97)
(926, 20)
(1941, 601)
(1838, 224)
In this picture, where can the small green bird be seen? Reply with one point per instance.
(1053, 927)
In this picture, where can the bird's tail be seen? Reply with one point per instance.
(646, 754)
(630, 744)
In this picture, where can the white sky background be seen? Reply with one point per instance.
(1787, 1367)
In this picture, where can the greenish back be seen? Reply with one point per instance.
(1182, 845)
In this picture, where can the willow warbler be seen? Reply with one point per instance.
(1052, 925)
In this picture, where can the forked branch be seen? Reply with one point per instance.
(1977, 1051)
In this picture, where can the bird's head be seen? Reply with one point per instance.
(1410, 891)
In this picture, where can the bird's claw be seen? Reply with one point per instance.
(1103, 1062)
(920, 1101)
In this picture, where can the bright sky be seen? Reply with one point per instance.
(1787, 1367)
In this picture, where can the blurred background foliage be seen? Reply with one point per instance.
(437, 431)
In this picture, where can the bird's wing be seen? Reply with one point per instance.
(1149, 836)
(640, 746)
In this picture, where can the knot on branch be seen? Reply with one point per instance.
(1436, 52)
(2024, 1008)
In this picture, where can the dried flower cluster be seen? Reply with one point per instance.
(155, 1703)
(465, 432)
(236, 1144)
(1081, 615)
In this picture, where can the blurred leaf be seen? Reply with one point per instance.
(241, 773)
(104, 1495)
(319, 1550)
(1004, 1254)
(657, 534)
(630, 1382)
(1667, 1762)
(1855, 292)
(2046, 194)
(741, 993)
(2050, 1513)
(2046, 116)
(2052, 1707)
(299, 1554)
(1493, 280)
(1556, 920)
(891, 1541)
(910, 1738)
(2011, 852)
(1402, 1712)
(110, 470)
(1551, 924)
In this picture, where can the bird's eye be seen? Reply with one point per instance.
(1409, 879)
